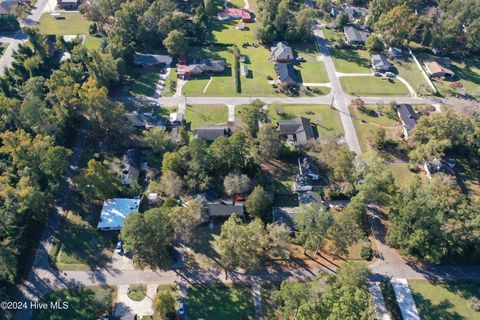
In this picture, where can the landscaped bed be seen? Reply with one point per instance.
(373, 86)
(444, 300)
(136, 292)
(219, 302)
(201, 115)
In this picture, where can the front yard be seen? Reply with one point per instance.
(408, 70)
(371, 86)
(200, 115)
(143, 81)
(351, 60)
(444, 300)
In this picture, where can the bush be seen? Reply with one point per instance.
(236, 68)
(93, 29)
(367, 252)
(474, 304)
(9, 22)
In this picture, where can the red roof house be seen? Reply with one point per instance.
(234, 14)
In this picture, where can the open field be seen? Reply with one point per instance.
(332, 34)
(312, 72)
(351, 60)
(373, 86)
(444, 300)
(206, 115)
(73, 24)
(83, 303)
(219, 302)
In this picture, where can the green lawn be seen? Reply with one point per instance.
(444, 300)
(312, 72)
(325, 118)
(83, 303)
(137, 292)
(332, 34)
(219, 303)
(201, 115)
(351, 60)
(373, 86)
(172, 76)
(143, 80)
(73, 24)
(408, 70)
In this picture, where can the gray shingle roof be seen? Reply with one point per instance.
(407, 115)
(380, 62)
(210, 133)
(286, 73)
(281, 51)
(355, 34)
(151, 59)
(224, 210)
(298, 129)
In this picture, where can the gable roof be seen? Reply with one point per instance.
(132, 158)
(286, 73)
(214, 65)
(151, 59)
(298, 129)
(222, 209)
(281, 51)
(407, 115)
(210, 133)
(380, 62)
(355, 34)
(145, 120)
(435, 68)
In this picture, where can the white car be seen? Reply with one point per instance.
(181, 308)
(390, 74)
(119, 247)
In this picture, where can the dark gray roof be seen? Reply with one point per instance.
(132, 158)
(210, 133)
(309, 197)
(222, 209)
(284, 215)
(298, 129)
(307, 166)
(407, 115)
(210, 65)
(281, 51)
(145, 120)
(151, 59)
(380, 62)
(355, 34)
(356, 12)
(286, 73)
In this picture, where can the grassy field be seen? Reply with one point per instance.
(73, 24)
(312, 72)
(172, 76)
(83, 303)
(143, 80)
(373, 86)
(206, 115)
(408, 70)
(324, 118)
(219, 303)
(351, 60)
(137, 292)
(444, 300)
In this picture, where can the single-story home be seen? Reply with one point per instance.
(6, 7)
(114, 212)
(355, 35)
(380, 63)
(408, 117)
(224, 209)
(309, 197)
(297, 130)
(436, 69)
(286, 73)
(210, 133)
(395, 53)
(234, 14)
(144, 120)
(68, 4)
(205, 66)
(281, 52)
(131, 166)
(151, 60)
(355, 13)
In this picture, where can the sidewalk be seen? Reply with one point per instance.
(405, 299)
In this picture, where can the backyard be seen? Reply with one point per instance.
(219, 302)
(444, 300)
(73, 23)
(373, 86)
(201, 115)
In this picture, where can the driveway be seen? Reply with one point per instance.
(141, 308)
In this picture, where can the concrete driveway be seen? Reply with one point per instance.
(141, 308)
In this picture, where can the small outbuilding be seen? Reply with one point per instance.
(151, 60)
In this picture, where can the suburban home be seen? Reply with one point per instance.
(114, 212)
(205, 66)
(68, 4)
(7, 6)
(224, 209)
(235, 14)
(355, 35)
(131, 166)
(308, 168)
(286, 73)
(395, 53)
(355, 13)
(302, 183)
(408, 117)
(309, 197)
(146, 120)
(151, 60)
(381, 63)
(281, 52)
(297, 130)
(437, 166)
(210, 133)
(439, 68)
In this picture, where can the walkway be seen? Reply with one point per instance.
(405, 299)
(231, 112)
(378, 302)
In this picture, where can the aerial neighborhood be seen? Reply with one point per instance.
(240, 159)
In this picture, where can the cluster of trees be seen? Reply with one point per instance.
(8, 22)
(282, 21)
(344, 296)
(448, 24)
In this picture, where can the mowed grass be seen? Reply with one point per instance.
(143, 80)
(73, 23)
(219, 302)
(408, 70)
(312, 72)
(323, 118)
(351, 60)
(201, 115)
(373, 86)
(83, 303)
(444, 300)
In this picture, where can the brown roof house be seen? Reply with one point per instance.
(439, 68)
(281, 52)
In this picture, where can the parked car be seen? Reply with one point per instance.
(390, 74)
(377, 74)
(181, 308)
(119, 247)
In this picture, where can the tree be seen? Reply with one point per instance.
(251, 115)
(148, 236)
(176, 43)
(379, 138)
(185, 219)
(97, 182)
(158, 140)
(103, 68)
(172, 161)
(341, 20)
(269, 144)
(236, 184)
(164, 303)
(258, 204)
(171, 184)
(312, 223)
(290, 296)
(8, 22)
(343, 233)
(396, 26)
(374, 44)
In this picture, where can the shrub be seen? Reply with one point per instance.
(9, 22)
(474, 303)
(367, 252)
(236, 68)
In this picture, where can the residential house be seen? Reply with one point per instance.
(308, 168)
(114, 212)
(7, 6)
(408, 117)
(151, 60)
(68, 4)
(355, 13)
(381, 63)
(297, 130)
(210, 133)
(236, 14)
(286, 73)
(176, 119)
(244, 70)
(309, 197)
(438, 166)
(224, 209)
(439, 68)
(281, 52)
(302, 183)
(144, 120)
(131, 166)
(285, 215)
(355, 35)
(204, 67)
(395, 53)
